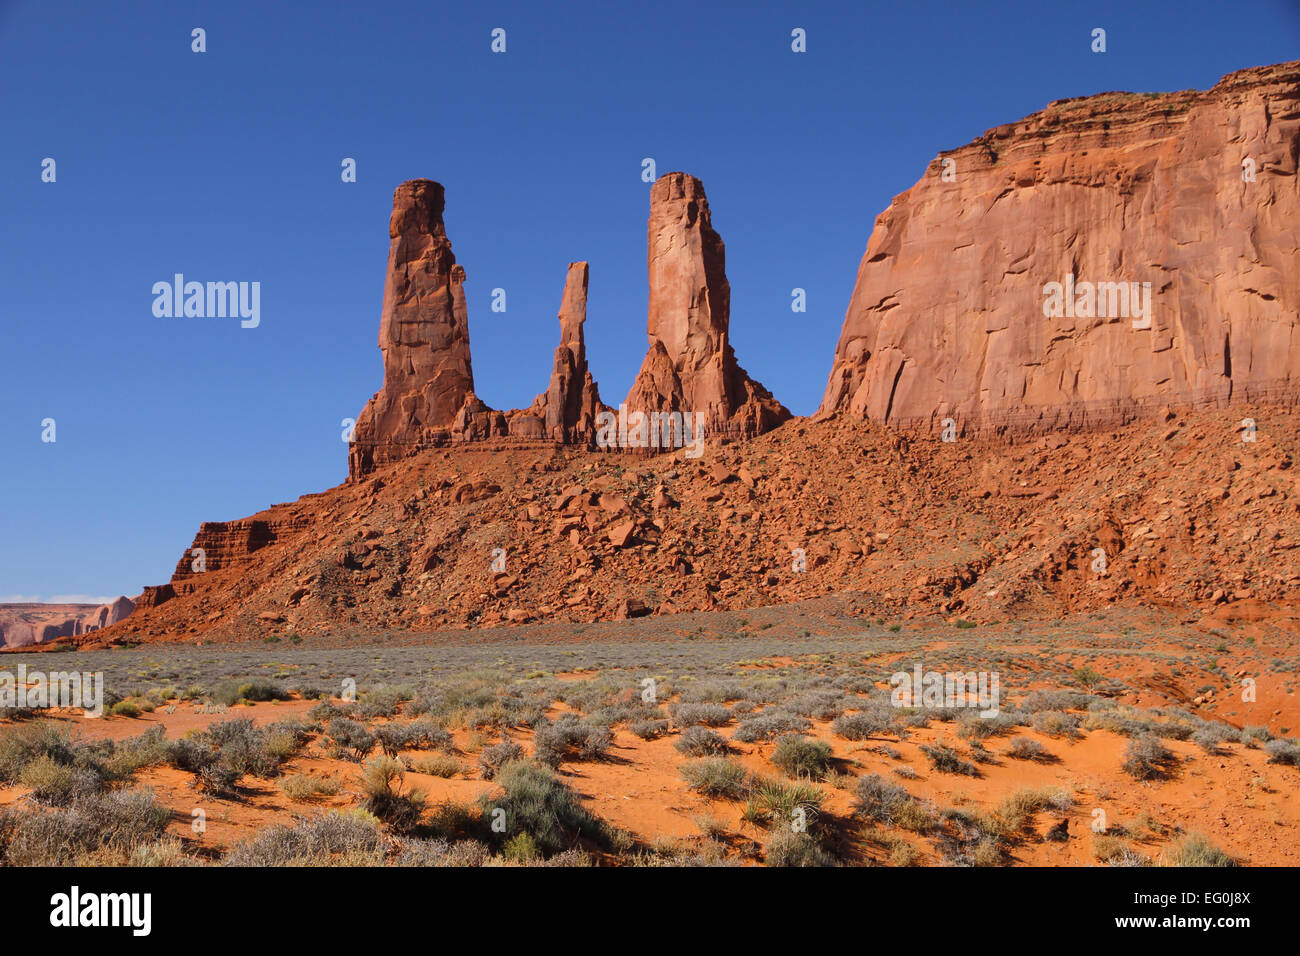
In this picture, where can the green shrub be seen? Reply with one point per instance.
(1146, 758)
(702, 742)
(1195, 849)
(790, 848)
(305, 787)
(802, 757)
(717, 777)
(537, 803)
(497, 756)
(946, 760)
(339, 836)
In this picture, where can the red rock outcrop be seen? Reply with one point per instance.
(25, 624)
(691, 366)
(566, 411)
(424, 336)
(1194, 193)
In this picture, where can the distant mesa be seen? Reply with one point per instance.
(23, 625)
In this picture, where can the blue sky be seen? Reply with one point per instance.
(225, 165)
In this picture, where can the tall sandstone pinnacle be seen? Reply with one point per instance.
(566, 411)
(423, 334)
(947, 316)
(690, 366)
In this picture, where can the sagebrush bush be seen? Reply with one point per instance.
(717, 777)
(880, 800)
(570, 738)
(1026, 748)
(702, 742)
(319, 841)
(304, 787)
(537, 803)
(381, 780)
(649, 729)
(98, 828)
(497, 756)
(946, 760)
(789, 848)
(1195, 849)
(802, 757)
(1283, 751)
(1146, 758)
(861, 726)
(709, 715)
(768, 725)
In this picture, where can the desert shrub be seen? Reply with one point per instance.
(901, 852)
(537, 803)
(1283, 751)
(349, 735)
(946, 760)
(248, 749)
(521, 848)
(974, 727)
(649, 729)
(710, 715)
(125, 708)
(702, 742)
(381, 780)
(438, 765)
(1017, 810)
(1146, 758)
(790, 848)
(802, 757)
(1026, 748)
(497, 756)
(442, 853)
(59, 784)
(304, 787)
(411, 736)
(879, 800)
(381, 701)
(111, 823)
(861, 725)
(339, 836)
(149, 749)
(1209, 739)
(22, 743)
(570, 738)
(1255, 735)
(717, 777)
(773, 802)
(768, 725)
(1057, 723)
(1113, 851)
(231, 692)
(822, 705)
(1195, 849)
(713, 692)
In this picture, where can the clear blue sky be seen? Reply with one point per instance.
(225, 166)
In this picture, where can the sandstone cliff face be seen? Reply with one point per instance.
(423, 333)
(947, 317)
(25, 624)
(690, 366)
